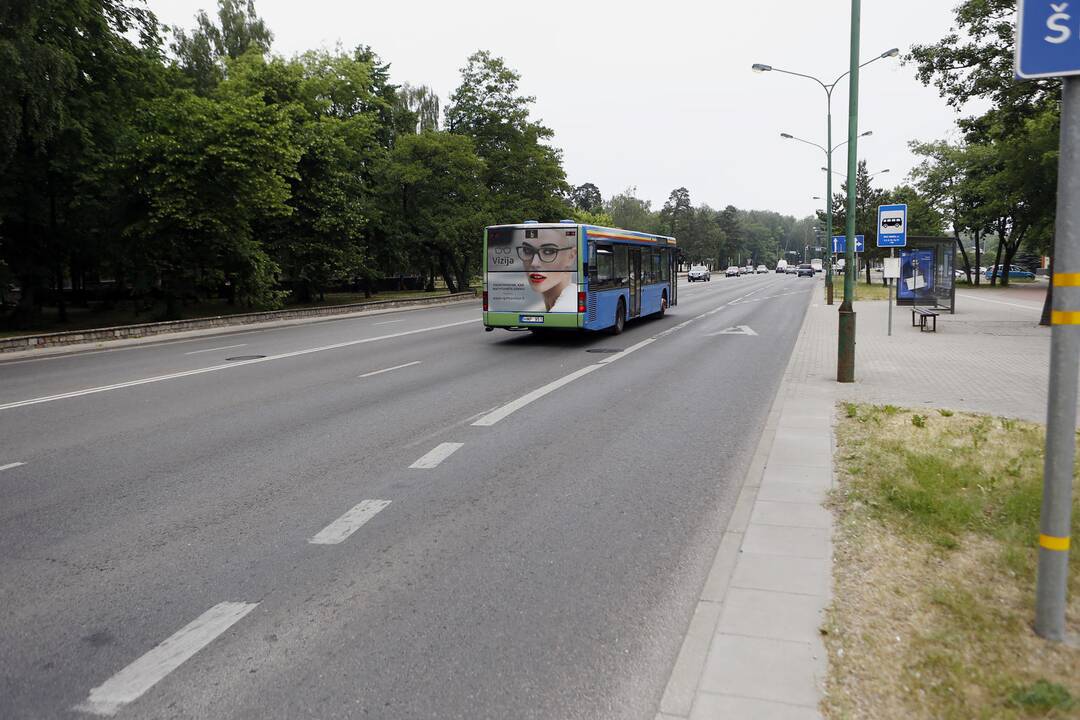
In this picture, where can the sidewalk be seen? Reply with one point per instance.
(753, 649)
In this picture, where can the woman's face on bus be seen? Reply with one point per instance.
(546, 264)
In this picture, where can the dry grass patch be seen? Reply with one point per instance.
(935, 566)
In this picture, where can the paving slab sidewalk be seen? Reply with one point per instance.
(753, 649)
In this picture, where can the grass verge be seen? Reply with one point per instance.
(938, 513)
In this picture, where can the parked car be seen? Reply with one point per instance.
(806, 270)
(698, 272)
(762, 269)
(1015, 272)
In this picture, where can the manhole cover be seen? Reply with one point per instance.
(604, 350)
(244, 357)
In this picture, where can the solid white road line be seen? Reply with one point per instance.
(389, 369)
(1026, 306)
(227, 366)
(10, 466)
(513, 406)
(141, 675)
(349, 523)
(389, 322)
(227, 347)
(437, 455)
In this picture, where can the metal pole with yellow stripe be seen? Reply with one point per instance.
(1052, 585)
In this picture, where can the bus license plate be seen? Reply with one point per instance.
(532, 319)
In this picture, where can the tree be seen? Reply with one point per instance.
(524, 176)
(422, 103)
(436, 184)
(632, 213)
(202, 55)
(205, 172)
(73, 71)
(587, 197)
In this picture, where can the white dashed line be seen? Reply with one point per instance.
(11, 466)
(389, 369)
(227, 366)
(347, 524)
(141, 675)
(227, 347)
(436, 456)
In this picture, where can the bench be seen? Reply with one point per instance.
(919, 317)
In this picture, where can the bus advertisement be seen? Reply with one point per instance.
(570, 276)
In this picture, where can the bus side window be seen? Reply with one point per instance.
(622, 266)
(604, 266)
(665, 265)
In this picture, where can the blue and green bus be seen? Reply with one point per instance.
(571, 276)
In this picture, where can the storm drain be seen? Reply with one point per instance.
(238, 358)
(605, 351)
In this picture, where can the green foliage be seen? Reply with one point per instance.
(918, 421)
(1043, 696)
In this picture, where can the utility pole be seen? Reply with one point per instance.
(1051, 591)
(845, 356)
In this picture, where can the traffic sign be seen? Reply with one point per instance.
(839, 244)
(892, 226)
(1047, 39)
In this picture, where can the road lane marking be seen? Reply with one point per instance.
(339, 530)
(1000, 302)
(514, 405)
(436, 456)
(633, 348)
(138, 677)
(226, 366)
(227, 347)
(389, 369)
(389, 322)
(11, 466)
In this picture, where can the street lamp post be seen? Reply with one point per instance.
(852, 150)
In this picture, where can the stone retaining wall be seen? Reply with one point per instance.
(124, 332)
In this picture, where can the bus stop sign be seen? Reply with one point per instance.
(1047, 39)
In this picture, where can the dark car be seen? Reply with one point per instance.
(1015, 272)
(805, 270)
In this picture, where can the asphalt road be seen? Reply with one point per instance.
(194, 536)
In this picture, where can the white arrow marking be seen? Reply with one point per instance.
(737, 330)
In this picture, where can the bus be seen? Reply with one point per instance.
(571, 276)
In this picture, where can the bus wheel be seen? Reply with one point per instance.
(620, 318)
(663, 305)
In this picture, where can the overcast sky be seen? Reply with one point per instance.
(659, 95)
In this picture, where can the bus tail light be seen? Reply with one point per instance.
(485, 301)
(581, 302)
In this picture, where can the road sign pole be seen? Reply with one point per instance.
(892, 254)
(828, 207)
(1052, 583)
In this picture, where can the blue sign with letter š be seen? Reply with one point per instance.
(839, 244)
(892, 226)
(1047, 38)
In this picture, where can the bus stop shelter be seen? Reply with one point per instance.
(926, 274)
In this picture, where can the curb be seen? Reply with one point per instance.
(96, 337)
(684, 684)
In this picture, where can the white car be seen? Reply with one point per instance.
(698, 272)
(732, 272)
(762, 269)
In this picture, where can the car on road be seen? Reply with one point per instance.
(732, 272)
(1015, 272)
(762, 269)
(781, 269)
(791, 269)
(806, 270)
(698, 273)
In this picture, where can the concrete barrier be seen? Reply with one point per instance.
(126, 332)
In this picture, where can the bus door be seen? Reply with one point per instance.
(635, 281)
(673, 275)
